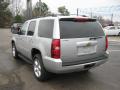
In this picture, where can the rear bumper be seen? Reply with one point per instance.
(55, 65)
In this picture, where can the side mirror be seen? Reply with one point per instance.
(15, 30)
(19, 31)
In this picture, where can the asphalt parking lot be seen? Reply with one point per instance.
(18, 75)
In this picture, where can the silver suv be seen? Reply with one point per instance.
(61, 45)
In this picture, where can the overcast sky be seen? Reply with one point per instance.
(71, 5)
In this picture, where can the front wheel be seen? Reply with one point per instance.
(39, 71)
(14, 51)
(119, 34)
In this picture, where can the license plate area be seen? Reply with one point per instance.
(84, 50)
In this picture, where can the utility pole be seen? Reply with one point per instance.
(12, 2)
(111, 18)
(40, 5)
(15, 8)
(77, 11)
(29, 9)
(91, 13)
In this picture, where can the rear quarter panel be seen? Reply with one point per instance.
(44, 45)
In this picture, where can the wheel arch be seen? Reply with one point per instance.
(119, 34)
(35, 51)
(12, 41)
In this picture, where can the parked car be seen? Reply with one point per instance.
(112, 30)
(61, 45)
(15, 27)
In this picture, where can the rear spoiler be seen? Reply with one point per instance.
(78, 19)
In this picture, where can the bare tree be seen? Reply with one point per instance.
(18, 7)
(15, 6)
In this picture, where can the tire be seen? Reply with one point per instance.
(39, 71)
(14, 51)
(119, 34)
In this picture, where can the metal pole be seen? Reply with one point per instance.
(15, 8)
(40, 7)
(12, 7)
(77, 11)
(91, 14)
(111, 18)
(29, 9)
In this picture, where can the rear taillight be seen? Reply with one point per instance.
(55, 48)
(106, 46)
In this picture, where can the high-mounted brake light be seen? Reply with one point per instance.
(85, 19)
(55, 48)
(78, 19)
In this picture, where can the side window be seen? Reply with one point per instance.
(31, 28)
(46, 28)
(24, 28)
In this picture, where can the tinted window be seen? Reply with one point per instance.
(24, 28)
(74, 29)
(31, 28)
(46, 28)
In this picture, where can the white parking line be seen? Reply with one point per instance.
(113, 50)
(114, 41)
(114, 44)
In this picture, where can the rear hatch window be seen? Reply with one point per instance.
(79, 28)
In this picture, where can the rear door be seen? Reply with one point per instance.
(81, 40)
